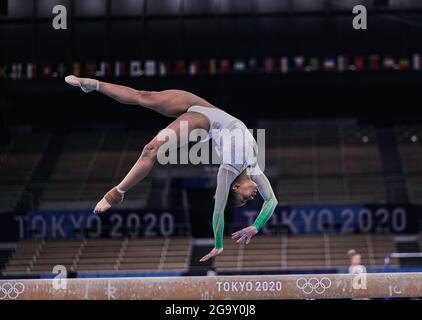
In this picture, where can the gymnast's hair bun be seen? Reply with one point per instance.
(351, 252)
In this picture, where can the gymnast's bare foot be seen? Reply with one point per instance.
(86, 84)
(111, 198)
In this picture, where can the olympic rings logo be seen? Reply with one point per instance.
(313, 285)
(10, 290)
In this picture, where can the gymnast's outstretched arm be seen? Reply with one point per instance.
(225, 179)
(270, 200)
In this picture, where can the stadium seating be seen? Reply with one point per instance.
(317, 163)
(410, 147)
(89, 164)
(17, 164)
(304, 252)
(149, 255)
(309, 162)
(101, 256)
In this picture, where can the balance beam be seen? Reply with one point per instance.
(310, 286)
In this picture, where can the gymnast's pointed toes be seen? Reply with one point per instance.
(72, 80)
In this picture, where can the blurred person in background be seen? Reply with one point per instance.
(356, 266)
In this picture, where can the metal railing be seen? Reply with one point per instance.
(400, 255)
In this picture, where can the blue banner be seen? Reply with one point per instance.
(340, 219)
(113, 224)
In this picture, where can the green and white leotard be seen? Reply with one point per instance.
(237, 151)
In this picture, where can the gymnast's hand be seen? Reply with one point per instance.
(245, 235)
(214, 252)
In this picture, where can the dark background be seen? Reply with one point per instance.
(173, 29)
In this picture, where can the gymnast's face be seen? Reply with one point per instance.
(243, 191)
(356, 260)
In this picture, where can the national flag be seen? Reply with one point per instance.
(55, 72)
(359, 63)
(150, 68)
(389, 63)
(374, 62)
(351, 64)
(180, 67)
(404, 64)
(269, 65)
(61, 70)
(284, 65)
(91, 69)
(30, 71)
(117, 69)
(224, 66)
(330, 65)
(135, 69)
(239, 66)
(16, 71)
(342, 63)
(417, 62)
(252, 65)
(163, 69)
(102, 70)
(299, 64)
(3, 72)
(13, 72)
(194, 67)
(76, 69)
(46, 71)
(19, 69)
(212, 66)
(123, 69)
(313, 64)
(109, 71)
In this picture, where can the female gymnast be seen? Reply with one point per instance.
(238, 181)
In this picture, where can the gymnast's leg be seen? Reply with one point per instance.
(148, 157)
(171, 103)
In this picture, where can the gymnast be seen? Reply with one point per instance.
(237, 181)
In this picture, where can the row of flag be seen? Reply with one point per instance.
(282, 65)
